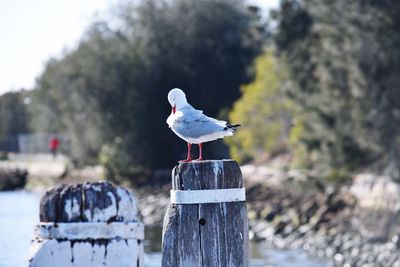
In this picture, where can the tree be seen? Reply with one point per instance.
(379, 58)
(14, 118)
(265, 111)
(112, 89)
(341, 57)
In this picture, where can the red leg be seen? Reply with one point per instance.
(189, 158)
(200, 152)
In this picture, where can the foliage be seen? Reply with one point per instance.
(114, 84)
(3, 155)
(14, 117)
(379, 59)
(343, 59)
(265, 111)
(117, 162)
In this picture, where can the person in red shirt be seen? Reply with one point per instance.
(54, 143)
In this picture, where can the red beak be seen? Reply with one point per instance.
(173, 109)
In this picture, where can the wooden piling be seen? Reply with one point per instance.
(206, 234)
(91, 224)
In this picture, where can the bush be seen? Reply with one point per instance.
(265, 112)
(12, 178)
(115, 83)
(3, 155)
(118, 164)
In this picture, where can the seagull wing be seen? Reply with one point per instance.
(190, 114)
(193, 123)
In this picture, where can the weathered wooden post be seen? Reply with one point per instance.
(91, 224)
(206, 222)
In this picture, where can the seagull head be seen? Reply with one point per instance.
(177, 99)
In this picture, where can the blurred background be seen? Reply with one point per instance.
(315, 84)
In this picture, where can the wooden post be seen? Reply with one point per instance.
(91, 224)
(213, 231)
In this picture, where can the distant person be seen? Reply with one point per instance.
(54, 143)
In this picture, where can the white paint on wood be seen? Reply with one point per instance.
(96, 188)
(127, 205)
(208, 196)
(218, 167)
(82, 254)
(124, 208)
(52, 252)
(101, 215)
(89, 230)
(196, 169)
(72, 208)
(107, 234)
(46, 253)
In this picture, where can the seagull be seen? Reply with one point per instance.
(192, 125)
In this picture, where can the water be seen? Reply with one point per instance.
(19, 213)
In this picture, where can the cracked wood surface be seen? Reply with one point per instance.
(213, 234)
(90, 224)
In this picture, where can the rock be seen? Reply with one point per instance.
(252, 214)
(280, 227)
(12, 178)
(354, 224)
(338, 257)
(396, 240)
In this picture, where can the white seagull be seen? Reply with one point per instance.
(192, 125)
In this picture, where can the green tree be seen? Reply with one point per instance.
(265, 111)
(343, 57)
(112, 88)
(379, 60)
(14, 118)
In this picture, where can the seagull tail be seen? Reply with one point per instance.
(231, 128)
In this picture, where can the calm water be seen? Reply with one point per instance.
(19, 212)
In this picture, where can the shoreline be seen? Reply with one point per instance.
(352, 224)
(334, 222)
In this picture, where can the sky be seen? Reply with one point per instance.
(33, 31)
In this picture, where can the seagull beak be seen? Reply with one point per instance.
(173, 109)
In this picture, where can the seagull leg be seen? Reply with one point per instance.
(200, 152)
(189, 158)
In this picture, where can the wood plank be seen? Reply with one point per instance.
(208, 235)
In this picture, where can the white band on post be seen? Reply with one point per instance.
(208, 196)
(83, 230)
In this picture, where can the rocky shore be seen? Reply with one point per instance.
(292, 210)
(353, 224)
(12, 178)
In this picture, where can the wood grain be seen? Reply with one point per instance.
(208, 235)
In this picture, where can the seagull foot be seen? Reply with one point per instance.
(199, 159)
(185, 160)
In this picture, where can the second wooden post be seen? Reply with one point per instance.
(206, 222)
